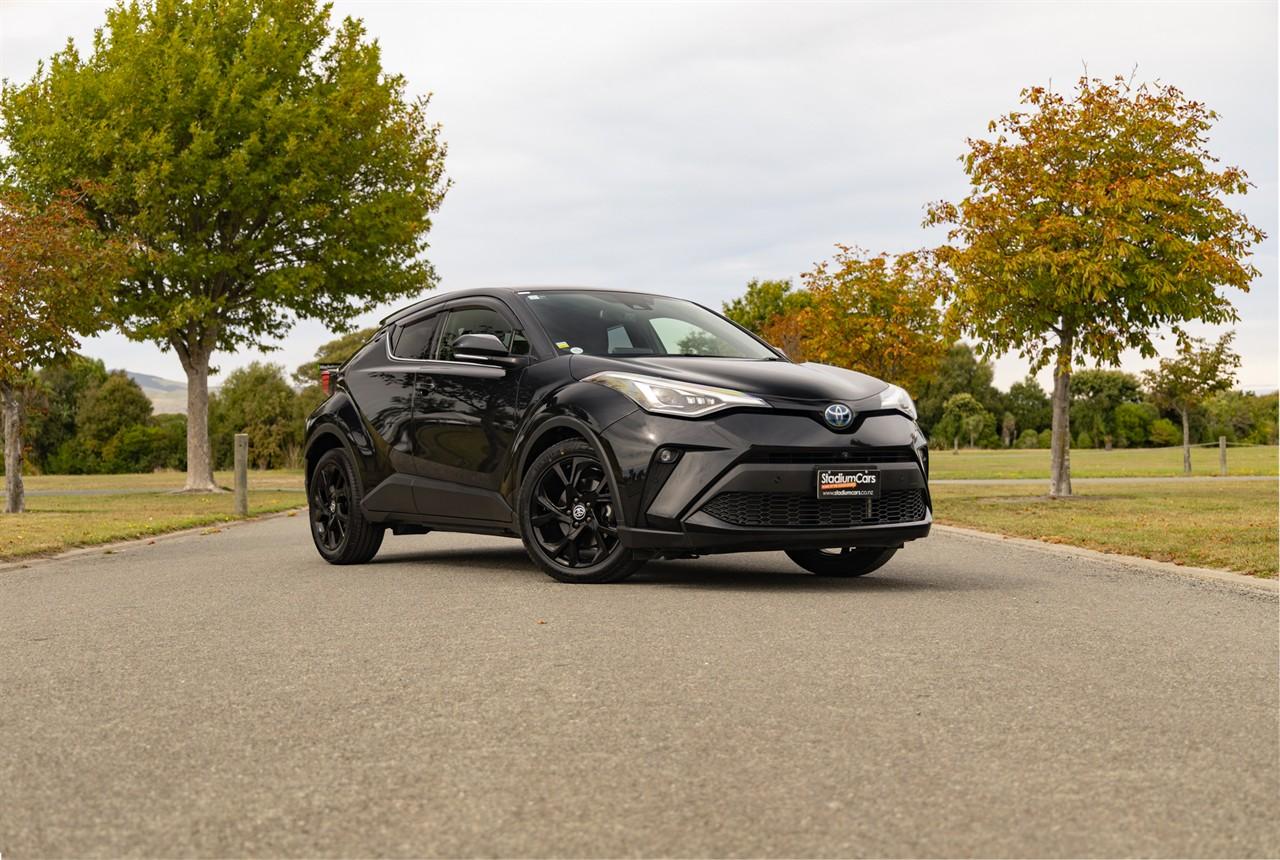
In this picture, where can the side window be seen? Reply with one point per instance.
(480, 321)
(414, 339)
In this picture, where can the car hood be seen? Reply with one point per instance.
(767, 379)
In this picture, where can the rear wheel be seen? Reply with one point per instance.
(338, 526)
(842, 561)
(568, 517)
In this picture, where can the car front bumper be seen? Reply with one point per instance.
(746, 481)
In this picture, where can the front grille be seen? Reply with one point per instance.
(827, 456)
(801, 511)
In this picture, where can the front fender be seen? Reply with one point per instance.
(582, 409)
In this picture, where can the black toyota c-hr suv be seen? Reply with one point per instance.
(607, 428)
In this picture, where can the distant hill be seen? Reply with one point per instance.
(166, 395)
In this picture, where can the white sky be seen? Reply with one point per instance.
(685, 149)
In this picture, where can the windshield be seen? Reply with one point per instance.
(634, 324)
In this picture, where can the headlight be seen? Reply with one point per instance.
(669, 397)
(894, 397)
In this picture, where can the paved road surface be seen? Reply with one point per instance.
(1152, 479)
(230, 695)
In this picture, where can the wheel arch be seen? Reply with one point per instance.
(322, 441)
(558, 429)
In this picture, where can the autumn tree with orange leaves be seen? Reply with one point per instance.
(55, 273)
(1094, 220)
(878, 314)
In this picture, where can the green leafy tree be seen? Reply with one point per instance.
(1095, 395)
(60, 385)
(1266, 411)
(335, 351)
(55, 268)
(158, 444)
(1241, 417)
(105, 413)
(111, 407)
(256, 154)
(1094, 220)
(169, 441)
(763, 302)
(1183, 382)
(1029, 404)
(963, 416)
(307, 376)
(1132, 423)
(258, 401)
(961, 371)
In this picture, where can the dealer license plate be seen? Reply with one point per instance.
(836, 482)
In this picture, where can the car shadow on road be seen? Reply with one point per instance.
(721, 575)
(712, 573)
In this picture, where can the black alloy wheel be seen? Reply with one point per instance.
(568, 517)
(338, 526)
(842, 561)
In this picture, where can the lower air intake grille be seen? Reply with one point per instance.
(800, 511)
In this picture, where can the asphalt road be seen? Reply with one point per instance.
(229, 694)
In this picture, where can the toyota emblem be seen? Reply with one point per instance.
(838, 416)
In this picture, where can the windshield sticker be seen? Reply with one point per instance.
(561, 345)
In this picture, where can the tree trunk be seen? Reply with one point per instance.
(14, 497)
(1186, 441)
(195, 361)
(1060, 447)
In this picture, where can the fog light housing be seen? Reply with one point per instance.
(667, 456)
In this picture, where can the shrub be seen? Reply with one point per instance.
(1165, 433)
(1046, 439)
(255, 400)
(1084, 440)
(170, 439)
(133, 449)
(1133, 423)
(1028, 439)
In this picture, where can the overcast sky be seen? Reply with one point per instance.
(686, 148)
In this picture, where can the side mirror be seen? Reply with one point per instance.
(479, 347)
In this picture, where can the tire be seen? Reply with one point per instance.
(568, 517)
(842, 561)
(339, 529)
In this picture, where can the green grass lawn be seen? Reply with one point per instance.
(53, 523)
(259, 479)
(1224, 524)
(1097, 463)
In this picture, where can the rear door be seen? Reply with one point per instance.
(465, 417)
(382, 385)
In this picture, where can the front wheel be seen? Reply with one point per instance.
(842, 561)
(338, 526)
(568, 517)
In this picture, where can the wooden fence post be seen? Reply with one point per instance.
(242, 474)
(1222, 455)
